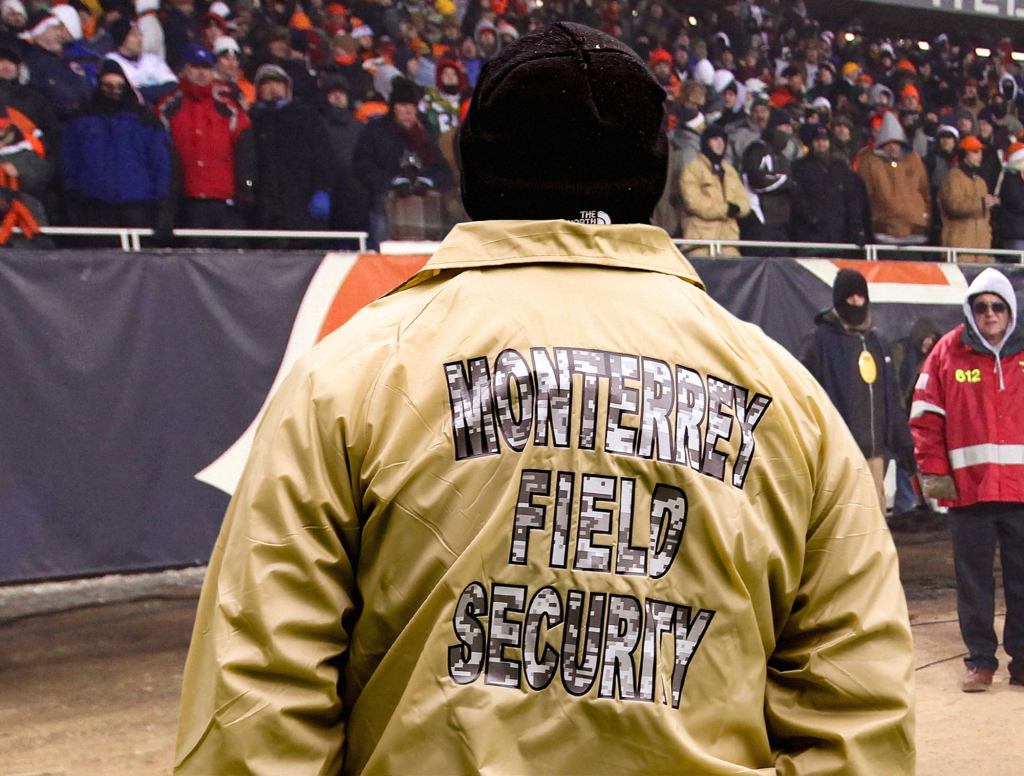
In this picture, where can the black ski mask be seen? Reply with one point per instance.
(850, 282)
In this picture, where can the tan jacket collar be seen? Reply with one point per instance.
(503, 243)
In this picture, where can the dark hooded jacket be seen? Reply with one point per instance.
(768, 176)
(907, 356)
(33, 104)
(1011, 207)
(350, 201)
(383, 150)
(292, 163)
(829, 202)
(67, 91)
(872, 411)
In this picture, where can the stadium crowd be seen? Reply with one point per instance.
(342, 115)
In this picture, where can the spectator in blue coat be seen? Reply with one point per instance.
(116, 158)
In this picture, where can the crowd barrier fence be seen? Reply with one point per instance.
(131, 240)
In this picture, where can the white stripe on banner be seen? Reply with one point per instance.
(225, 472)
(901, 293)
(977, 455)
(919, 408)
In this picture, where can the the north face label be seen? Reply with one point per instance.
(592, 217)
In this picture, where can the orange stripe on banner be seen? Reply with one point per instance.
(370, 278)
(917, 272)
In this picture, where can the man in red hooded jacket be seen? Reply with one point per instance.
(969, 443)
(210, 134)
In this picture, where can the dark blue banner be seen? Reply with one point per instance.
(131, 383)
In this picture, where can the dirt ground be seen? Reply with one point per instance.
(90, 673)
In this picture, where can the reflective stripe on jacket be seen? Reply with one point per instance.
(964, 425)
(549, 508)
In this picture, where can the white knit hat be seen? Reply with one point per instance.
(69, 17)
(225, 43)
(13, 5)
(1015, 157)
(696, 123)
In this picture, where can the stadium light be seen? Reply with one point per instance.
(849, 37)
(983, 52)
(924, 45)
(693, 21)
(1017, 56)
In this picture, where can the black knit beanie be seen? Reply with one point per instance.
(566, 122)
(403, 90)
(118, 30)
(849, 282)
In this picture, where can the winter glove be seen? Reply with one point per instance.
(939, 486)
(733, 210)
(320, 206)
(401, 185)
(422, 185)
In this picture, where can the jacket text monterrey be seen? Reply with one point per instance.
(652, 410)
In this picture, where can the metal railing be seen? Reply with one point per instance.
(131, 241)
(131, 237)
(870, 252)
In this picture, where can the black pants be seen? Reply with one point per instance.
(976, 531)
(86, 211)
(752, 229)
(212, 214)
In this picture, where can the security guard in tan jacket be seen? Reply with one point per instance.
(548, 508)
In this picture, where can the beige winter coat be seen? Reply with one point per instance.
(706, 201)
(965, 216)
(458, 546)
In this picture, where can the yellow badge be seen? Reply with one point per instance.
(868, 368)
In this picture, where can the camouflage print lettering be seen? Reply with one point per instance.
(669, 500)
(578, 676)
(554, 397)
(593, 365)
(620, 641)
(528, 516)
(622, 400)
(657, 623)
(688, 635)
(473, 426)
(628, 559)
(563, 517)
(540, 666)
(510, 369)
(691, 400)
(466, 659)
(658, 400)
(589, 556)
(719, 427)
(504, 633)
(747, 417)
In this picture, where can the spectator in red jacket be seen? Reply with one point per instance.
(210, 135)
(968, 437)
